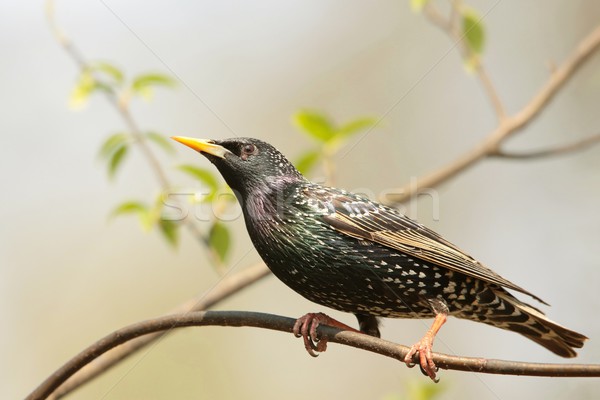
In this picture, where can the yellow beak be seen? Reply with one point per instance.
(202, 145)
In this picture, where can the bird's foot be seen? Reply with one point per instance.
(306, 327)
(424, 349)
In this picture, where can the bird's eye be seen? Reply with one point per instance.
(247, 150)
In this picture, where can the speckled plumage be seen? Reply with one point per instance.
(346, 252)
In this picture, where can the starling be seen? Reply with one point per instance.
(349, 253)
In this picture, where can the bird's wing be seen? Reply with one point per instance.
(366, 220)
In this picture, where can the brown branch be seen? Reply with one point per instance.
(578, 145)
(284, 324)
(142, 143)
(225, 288)
(491, 145)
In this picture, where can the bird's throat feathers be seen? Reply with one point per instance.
(267, 202)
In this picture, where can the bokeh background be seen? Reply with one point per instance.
(69, 276)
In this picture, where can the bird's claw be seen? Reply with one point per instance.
(306, 327)
(424, 349)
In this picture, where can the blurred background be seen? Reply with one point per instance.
(69, 275)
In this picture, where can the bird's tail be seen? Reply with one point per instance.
(508, 312)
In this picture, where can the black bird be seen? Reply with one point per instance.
(344, 251)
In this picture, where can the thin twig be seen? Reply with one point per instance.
(491, 91)
(111, 96)
(450, 27)
(511, 125)
(141, 141)
(122, 108)
(454, 18)
(578, 145)
(284, 324)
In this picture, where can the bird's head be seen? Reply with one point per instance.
(247, 164)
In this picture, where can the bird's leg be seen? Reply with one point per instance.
(306, 327)
(368, 324)
(424, 347)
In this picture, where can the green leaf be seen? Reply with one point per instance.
(219, 239)
(152, 80)
(162, 141)
(424, 390)
(356, 126)
(85, 86)
(143, 84)
(201, 174)
(473, 31)
(113, 143)
(417, 5)
(110, 70)
(170, 231)
(129, 207)
(144, 214)
(114, 149)
(307, 161)
(80, 94)
(315, 124)
(116, 159)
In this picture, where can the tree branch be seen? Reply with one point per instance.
(491, 145)
(578, 145)
(284, 324)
